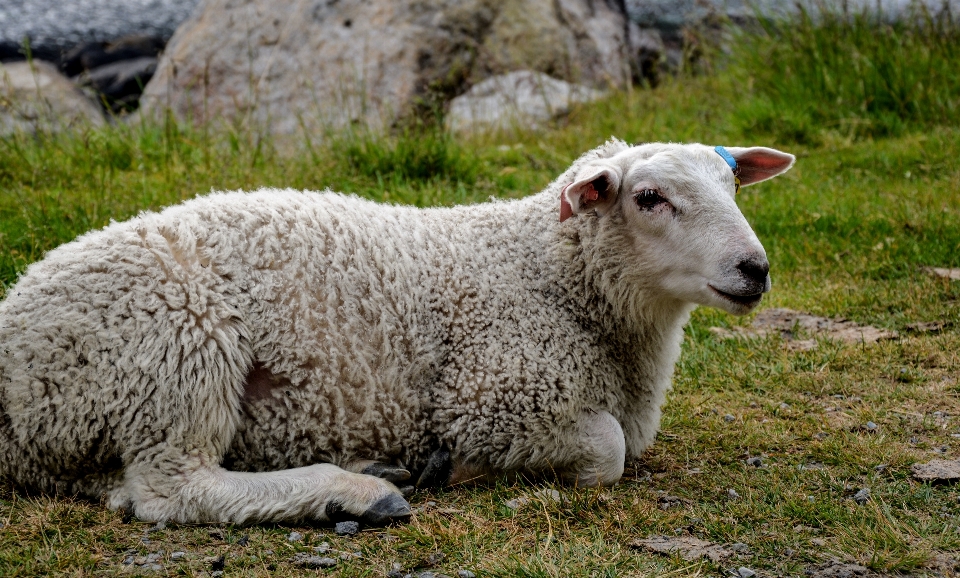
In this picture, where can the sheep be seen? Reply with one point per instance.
(282, 356)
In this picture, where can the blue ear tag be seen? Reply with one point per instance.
(732, 163)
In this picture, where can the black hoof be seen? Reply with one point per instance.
(392, 474)
(438, 470)
(387, 509)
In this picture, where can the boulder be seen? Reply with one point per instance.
(521, 99)
(315, 64)
(35, 96)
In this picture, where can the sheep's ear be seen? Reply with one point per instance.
(594, 189)
(755, 164)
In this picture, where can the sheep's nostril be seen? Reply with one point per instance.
(755, 269)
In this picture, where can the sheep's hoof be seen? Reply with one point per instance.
(390, 508)
(392, 474)
(438, 470)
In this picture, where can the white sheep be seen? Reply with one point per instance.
(253, 357)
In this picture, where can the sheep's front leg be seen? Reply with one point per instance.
(600, 451)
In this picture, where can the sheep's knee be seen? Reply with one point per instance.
(603, 451)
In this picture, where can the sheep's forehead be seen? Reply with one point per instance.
(687, 169)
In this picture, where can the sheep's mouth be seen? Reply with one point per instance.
(745, 300)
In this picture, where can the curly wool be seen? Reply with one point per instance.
(278, 329)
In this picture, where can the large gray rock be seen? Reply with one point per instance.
(35, 96)
(522, 99)
(314, 64)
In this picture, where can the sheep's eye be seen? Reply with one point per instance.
(647, 199)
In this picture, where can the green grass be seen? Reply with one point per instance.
(848, 231)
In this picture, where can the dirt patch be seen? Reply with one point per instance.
(796, 328)
(838, 570)
(688, 547)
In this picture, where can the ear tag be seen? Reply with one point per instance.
(732, 163)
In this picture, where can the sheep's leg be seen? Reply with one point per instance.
(198, 492)
(389, 472)
(600, 450)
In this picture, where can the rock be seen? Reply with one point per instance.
(35, 96)
(732, 494)
(952, 274)
(522, 99)
(755, 462)
(310, 562)
(90, 55)
(178, 555)
(870, 426)
(348, 528)
(465, 574)
(785, 322)
(120, 83)
(745, 572)
(687, 547)
(936, 471)
(729, 418)
(739, 548)
(244, 540)
(294, 537)
(862, 496)
(324, 63)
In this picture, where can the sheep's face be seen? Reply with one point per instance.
(674, 208)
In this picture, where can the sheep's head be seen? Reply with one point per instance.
(665, 216)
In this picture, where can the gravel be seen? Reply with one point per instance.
(862, 497)
(62, 24)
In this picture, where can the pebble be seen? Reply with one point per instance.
(862, 497)
(244, 540)
(294, 537)
(732, 494)
(323, 548)
(178, 555)
(755, 462)
(395, 574)
(154, 558)
(784, 405)
(788, 552)
(465, 574)
(128, 561)
(739, 548)
(881, 467)
(348, 528)
(870, 426)
(728, 418)
(745, 572)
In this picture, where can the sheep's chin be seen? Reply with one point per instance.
(732, 303)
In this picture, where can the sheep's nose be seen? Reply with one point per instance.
(756, 269)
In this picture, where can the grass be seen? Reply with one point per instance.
(848, 232)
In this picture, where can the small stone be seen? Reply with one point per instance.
(140, 560)
(732, 494)
(395, 574)
(745, 572)
(244, 540)
(784, 405)
(178, 555)
(862, 497)
(128, 561)
(323, 548)
(880, 468)
(426, 575)
(811, 499)
(729, 418)
(154, 558)
(348, 528)
(294, 537)
(739, 548)
(316, 562)
(870, 426)
(821, 436)
(465, 574)
(788, 552)
(755, 462)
